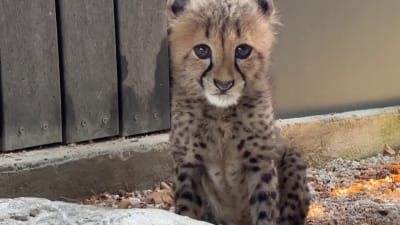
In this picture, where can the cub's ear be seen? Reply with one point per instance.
(176, 7)
(266, 6)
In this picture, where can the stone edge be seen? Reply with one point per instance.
(293, 129)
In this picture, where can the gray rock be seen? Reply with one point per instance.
(37, 211)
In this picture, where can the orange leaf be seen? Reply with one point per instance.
(396, 178)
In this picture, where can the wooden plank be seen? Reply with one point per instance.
(89, 69)
(143, 64)
(29, 73)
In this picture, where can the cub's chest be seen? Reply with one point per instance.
(222, 160)
(225, 176)
(218, 135)
(225, 187)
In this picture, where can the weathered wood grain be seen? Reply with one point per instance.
(144, 68)
(89, 69)
(30, 104)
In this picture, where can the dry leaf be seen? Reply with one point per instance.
(165, 186)
(157, 187)
(89, 201)
(158, 197)
(381, 174)
(105, 195)
(389, 150)
(396, 178)
(394, 168)
(122, 193)
(140, 205)
(124, 204)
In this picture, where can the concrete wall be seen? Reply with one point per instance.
(335, 56)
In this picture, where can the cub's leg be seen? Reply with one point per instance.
(294, 193)
(188, 191)
(262, 182)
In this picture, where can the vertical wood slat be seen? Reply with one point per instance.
(30, 102)
(89, 69)
(143, 64)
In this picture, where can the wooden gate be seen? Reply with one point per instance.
(78, 70)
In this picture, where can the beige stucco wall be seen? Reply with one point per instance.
(335, 56)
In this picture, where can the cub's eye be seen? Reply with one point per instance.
(243, 51)
(202, 51)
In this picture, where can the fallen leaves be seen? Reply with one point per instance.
(162, 194)
(160, 197)
(356, 202)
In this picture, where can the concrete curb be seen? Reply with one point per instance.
(349, 135)
(36, 159)
(75, 172)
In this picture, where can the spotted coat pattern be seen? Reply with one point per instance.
(231, 164)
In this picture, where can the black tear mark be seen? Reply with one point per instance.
(206, 72)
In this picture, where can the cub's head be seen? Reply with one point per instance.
(220, 49)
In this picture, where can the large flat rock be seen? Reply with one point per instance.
(38, 211)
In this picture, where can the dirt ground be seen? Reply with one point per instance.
(345, 192)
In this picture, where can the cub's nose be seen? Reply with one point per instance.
(224, 85)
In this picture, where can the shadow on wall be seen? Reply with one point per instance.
(156, 102)
(162, 74)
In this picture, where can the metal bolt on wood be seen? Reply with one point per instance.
(45, 126)
(21, 131)
(155, 116)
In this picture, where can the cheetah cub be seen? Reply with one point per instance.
(230, 162)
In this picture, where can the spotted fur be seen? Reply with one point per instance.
(232, 167)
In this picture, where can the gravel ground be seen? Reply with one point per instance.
(356, 192)
(345, 192)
